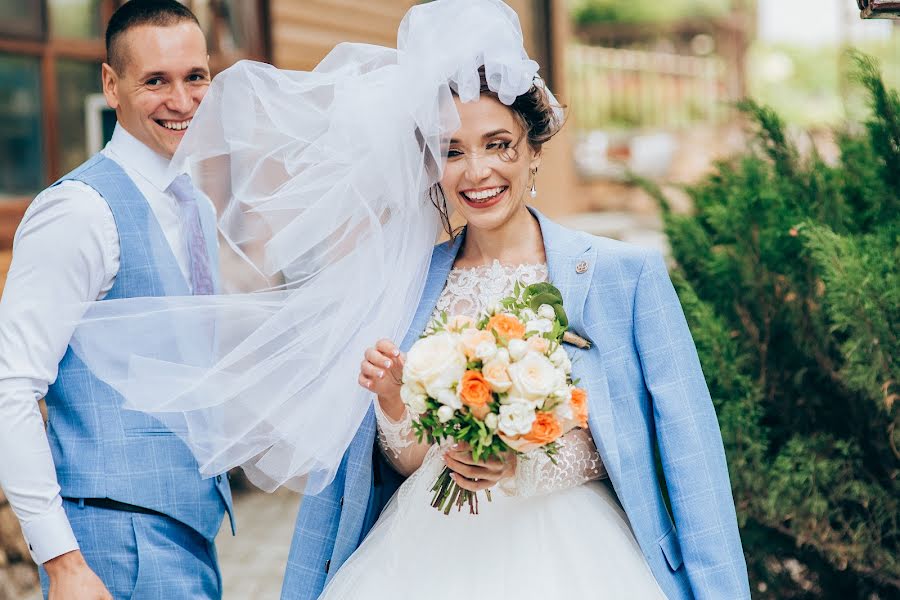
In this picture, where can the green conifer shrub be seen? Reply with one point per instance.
(788, 273)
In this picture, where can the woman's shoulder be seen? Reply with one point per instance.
(612, 253)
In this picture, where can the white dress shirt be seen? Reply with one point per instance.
(65, 252)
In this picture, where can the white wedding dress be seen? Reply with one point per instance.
(553, 531)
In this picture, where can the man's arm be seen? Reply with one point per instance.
(689, 439)
(65, 253)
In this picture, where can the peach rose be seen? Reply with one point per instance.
(507, 327)
(544, 430)
(474, 390)
(470, 339)
(579, 405)
(539, 344)
(480, 412)
(496, 375)
(458, 323)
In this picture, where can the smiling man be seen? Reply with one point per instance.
(110, 501)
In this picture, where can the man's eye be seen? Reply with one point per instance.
(197, 77)
(155, 82)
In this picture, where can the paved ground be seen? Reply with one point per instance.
(253, 562)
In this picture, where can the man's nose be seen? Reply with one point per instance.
(180, 100)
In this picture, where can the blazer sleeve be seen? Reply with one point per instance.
(690, 443)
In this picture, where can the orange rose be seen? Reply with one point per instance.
(473, 390)
(579, 406)
(507, 327)
(544, 430)
(480, 412)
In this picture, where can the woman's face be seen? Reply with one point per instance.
(489, 164)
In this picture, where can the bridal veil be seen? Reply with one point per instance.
(320, 180)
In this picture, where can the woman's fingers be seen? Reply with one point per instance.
(388, 348)
(371, 371)
(379, 359)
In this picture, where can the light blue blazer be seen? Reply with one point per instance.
(646, 390)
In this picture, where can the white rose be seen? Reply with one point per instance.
(546, 312)
(435, 362)
(491, 421)
(486, 351)
(528, 315)
(539, 325)
(534, 377)
(445, 413)
(516, 419)
(449, 398)
(566, 365)
(517, 349)
(495, 308)
(502, 355)
(413, 400)
(558, 355)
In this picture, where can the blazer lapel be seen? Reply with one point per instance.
(570, 264)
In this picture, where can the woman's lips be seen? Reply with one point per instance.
(485, 198)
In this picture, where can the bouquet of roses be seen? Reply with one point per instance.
(501, 382)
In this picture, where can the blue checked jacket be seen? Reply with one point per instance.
(645, 388)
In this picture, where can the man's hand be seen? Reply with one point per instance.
(71, 578)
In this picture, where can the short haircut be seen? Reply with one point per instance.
(159, 13)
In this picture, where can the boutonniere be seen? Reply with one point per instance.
(576, 340)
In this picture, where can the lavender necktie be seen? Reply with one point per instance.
(186, 194)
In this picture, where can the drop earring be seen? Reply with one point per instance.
(533, 188)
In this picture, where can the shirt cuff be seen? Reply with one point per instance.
(50, 536)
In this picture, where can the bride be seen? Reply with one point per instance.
(554, 530)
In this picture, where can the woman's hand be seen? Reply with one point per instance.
(481, 475)
(381, 371)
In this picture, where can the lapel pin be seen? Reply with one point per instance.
(581, 267)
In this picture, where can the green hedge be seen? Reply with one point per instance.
(788, 272)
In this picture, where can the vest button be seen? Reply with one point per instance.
(327, 565)
(218, 479)
(342, 501)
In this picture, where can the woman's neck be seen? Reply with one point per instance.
(518, 241)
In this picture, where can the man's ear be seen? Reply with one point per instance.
(110, 85)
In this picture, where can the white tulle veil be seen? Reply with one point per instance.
(320, 180)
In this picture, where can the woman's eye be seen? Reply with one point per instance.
(453, 153)
(499, 145)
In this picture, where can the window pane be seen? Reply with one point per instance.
(74, 18)
(22, 18)
(21, 142)
(231, 26)
(75, 81)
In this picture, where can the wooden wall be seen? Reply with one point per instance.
(304, 31)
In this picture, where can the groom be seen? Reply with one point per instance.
(110, 501)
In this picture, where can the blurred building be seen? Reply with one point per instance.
(52, 116)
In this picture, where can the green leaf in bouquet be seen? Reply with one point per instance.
(544, 288)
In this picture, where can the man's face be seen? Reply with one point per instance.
(164, 76)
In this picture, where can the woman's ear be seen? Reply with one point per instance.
(536, 156)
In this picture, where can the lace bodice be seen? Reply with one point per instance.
(469, 292)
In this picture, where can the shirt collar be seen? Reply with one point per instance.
(139, 158)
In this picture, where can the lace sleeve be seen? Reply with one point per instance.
(577, 462)
(398, 442)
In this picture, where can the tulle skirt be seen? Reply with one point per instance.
(575, 543)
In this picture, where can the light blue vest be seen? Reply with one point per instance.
(100, 449)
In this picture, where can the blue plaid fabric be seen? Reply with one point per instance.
(144, 557)
(645, 388)
(102, 450)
